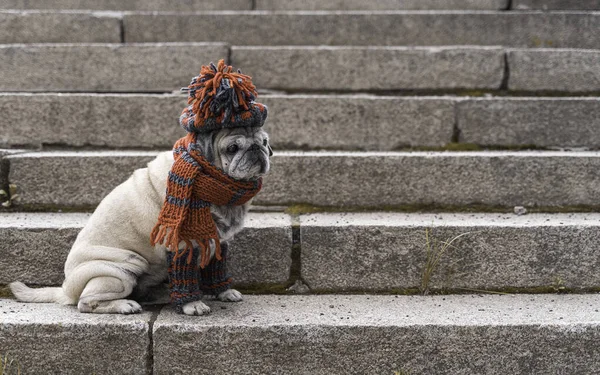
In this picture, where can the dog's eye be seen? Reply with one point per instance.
(265, 142)
(232, 149)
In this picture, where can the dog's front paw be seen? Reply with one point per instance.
(119, 306)
(230, 295)
(196, 308)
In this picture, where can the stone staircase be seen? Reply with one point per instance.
(398, 125)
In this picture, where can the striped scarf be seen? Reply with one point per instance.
(193, 185)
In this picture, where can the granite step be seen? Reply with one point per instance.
(104, 67)
(59, 27)
(295, 121)
(421, 68)
(367, 122)
(57, 339)
(169, 66)
(129, 5)
(328, 334)
(372, 68)
(381, 5)
(523, 29)
(165, 67)
(203, 5)
(555, 4)
(360, 252)
(398, 180)
(35, 246)
(388, 252)
(561, 70)
(370, 28)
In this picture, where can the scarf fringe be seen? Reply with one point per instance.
(170, 237)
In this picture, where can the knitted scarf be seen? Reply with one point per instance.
(193, 185)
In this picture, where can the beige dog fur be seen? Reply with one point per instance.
(112, 255)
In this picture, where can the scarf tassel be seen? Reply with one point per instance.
(171, 239)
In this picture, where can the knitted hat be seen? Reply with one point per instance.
(219, 98)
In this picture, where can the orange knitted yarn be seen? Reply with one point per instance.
(219, 98)
(193, 185)
(206, 90)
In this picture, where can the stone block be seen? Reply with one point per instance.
(372, 68)
(388, 252)
(73, 179)
(51, 338)
(295, 121)
(352, 179)
(58, 27)
(542, 122)
(104, 67)
(130, 5)
(96, 120)
(556, 4)
(381, 4)
(433, 179)
(369, 28)
(35, 247)
(554, 70)
(332, 334)
(358, 122)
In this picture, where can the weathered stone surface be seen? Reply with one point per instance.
(557, 4)
(34, 248)
(296, 121)
(50, 338)
(59, 27)
(554, 70)
(3, 171)
(380, 4)
(372, 68)
(103, 67)
(328, 334)
(368, 28)
(364, 179)
(4, 168)
(378, 179)
(107, 120)
(388, 251)
(74, 179)
(358, 122)
(543, 122)
(262, 252)
(154, 5)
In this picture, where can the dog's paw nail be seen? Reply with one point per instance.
(196, 308)
(131, 307)
(230, 295)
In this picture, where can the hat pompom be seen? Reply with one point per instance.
(220, 98)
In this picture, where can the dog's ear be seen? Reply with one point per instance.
(270, 151)
(206, 142)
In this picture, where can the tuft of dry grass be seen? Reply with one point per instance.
(8, 366)
(435, 251)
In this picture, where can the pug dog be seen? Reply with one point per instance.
(112, 267)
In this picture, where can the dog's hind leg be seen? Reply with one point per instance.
(102, 282)
(106, 295)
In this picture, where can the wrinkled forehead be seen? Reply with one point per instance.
(242, 133)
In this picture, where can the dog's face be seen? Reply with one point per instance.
(242, 153)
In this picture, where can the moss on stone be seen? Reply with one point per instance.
(304, 208)
(260, 288)
(5, 292)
